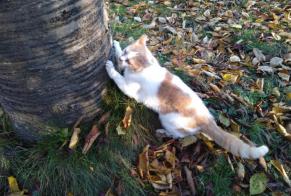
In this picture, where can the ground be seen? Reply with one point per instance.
(235, 54)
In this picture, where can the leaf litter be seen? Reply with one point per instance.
(236, 55)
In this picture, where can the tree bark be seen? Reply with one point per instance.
(52, 57)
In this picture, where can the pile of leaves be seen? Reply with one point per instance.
(236, 55)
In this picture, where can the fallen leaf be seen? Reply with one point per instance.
(190, 180)
(234, 59)
(75, 138)
(109, 193)
(143, 163)
(13, 185)
(120, 130)
(258, 183)
(240, 171)
(127, 117)
(230, 77)
(281, 170)
(275, 61)
(70, 194)
(266, 69)
(284, 75)
(259, 55)
(90, 138)
(234, 126)
(187, 141)
(224, 120)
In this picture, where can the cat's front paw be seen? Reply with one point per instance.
(116, 44)
(110, 69)
(117, 48)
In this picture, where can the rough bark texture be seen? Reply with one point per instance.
(52, 56)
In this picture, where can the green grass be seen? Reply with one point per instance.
(250, 39)
(50, 168)
(219, 175)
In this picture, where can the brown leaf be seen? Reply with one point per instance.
(143, 163)
(127, 117)
(90, 138)
(190, 180)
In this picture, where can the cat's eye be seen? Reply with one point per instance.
(127, 61)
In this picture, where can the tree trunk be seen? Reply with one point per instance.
(52, 57)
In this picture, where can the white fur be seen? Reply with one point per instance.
(143, 86)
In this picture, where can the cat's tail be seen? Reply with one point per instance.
(233, 144)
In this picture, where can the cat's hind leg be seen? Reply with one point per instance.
(130, 89)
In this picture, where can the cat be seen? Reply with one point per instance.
(180, 109)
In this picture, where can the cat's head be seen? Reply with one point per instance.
(136, 56)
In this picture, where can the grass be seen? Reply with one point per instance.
(219, 176)
(250, 39)
(50, 168)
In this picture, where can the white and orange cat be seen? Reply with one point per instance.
(180, 110)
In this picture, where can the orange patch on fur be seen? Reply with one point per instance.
(172, 99)
(141, 61)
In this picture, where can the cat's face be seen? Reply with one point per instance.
(136, 56)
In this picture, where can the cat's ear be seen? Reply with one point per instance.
(143, 39)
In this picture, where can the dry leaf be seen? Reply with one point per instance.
(143, 163)
(259, 55)
(230, 77)
(190, 180)
(75, 138)
(282, 171)
(240, 171)
(187, 141)
(234, 59)
(90, 138)
(13, 185)
(127, 117)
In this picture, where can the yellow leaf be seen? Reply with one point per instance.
(282, 171)
(236, 26)
(288, 96)
(230, 78)
(13, 186)
(127, 117)
(70, 194)
(75, 138)
(198, 61)
(234, 126)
